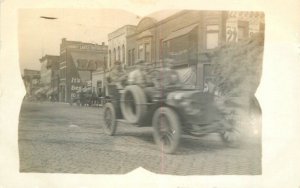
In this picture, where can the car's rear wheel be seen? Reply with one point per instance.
(166, 129)
(109, 117)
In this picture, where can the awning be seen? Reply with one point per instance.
(181, 32)
(87, 60)
(84, 76)
(52, 91)
(42, 90)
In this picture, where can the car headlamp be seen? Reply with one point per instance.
(178, 96)
(190, 106)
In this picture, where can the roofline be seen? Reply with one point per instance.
(120, 28)
(173, 16)
(47, 55)
(32, 70)
(80, 42)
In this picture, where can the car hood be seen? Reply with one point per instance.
(203, 101)
(181, 94)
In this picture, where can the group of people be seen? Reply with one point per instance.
(121, 77)
(141, 74)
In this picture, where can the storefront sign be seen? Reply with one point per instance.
(254, 27)
(231, 30)
(75, 86)
(75, 80)
(86, 64)
(90, 47)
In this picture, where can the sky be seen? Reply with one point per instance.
(38, 36)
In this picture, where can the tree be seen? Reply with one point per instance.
(237, 68)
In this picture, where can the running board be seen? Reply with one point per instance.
(125, 122)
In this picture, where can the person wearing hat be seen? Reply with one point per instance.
(116, 71)
(137, 76)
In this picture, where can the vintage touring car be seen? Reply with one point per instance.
(169, 107)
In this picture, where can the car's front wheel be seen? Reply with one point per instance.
(166, 129)
(109, 117)
(232, 136)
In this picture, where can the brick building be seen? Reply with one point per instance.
(78, 60)
(181, 37)
(31, 79)
(49, 74)
(117, 45)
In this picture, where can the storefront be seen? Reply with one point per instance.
(78, 62)
(181, 38)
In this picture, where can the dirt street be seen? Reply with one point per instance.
(59, 138)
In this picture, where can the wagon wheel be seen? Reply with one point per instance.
(167, 129)
(110, 123)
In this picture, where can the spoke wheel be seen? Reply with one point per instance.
(167, 129)
(109, 117)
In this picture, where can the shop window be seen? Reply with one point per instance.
(212, 36)
(182, 50)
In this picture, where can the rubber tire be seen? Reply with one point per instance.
(174, 122)
(111, 130)
(140, 101)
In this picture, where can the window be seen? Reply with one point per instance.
(212, 40)
(140, 51)
(109, 58)
(99, 88)
(208, 72)
(147, 53)
(129, 58)
(161, 48)
(133, 56)
(212, 36)
(114, 55)
(62, 73)
(182, 50)
(243, 30)
(123, 54)
(119, 54)
(104, 65)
